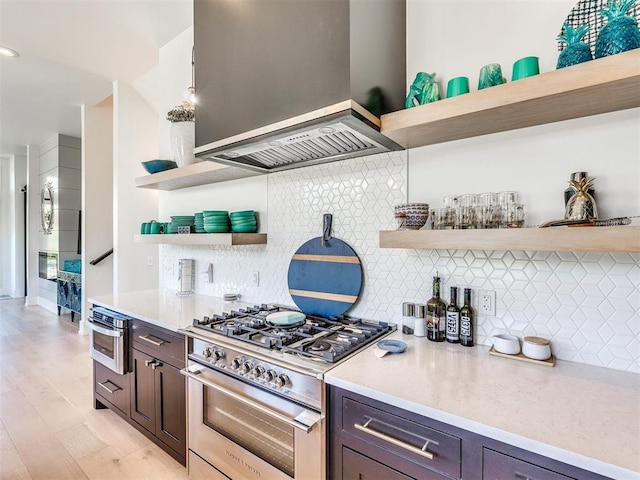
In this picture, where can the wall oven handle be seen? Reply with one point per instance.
(399, 443)
(104, 331)
(315, 417)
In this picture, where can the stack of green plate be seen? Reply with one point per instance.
(244, 221)
(182, 221)
(216, 221)
(199, 222)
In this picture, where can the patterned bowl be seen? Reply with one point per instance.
(415, 221)
(412, 208)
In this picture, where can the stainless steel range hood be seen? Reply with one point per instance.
(289, 83)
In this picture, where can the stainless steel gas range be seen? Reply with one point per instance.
(256, 391)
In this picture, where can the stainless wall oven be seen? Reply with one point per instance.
(109, 339)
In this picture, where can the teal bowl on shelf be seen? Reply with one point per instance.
(216, 229)
(157, 166)
(243, 213)
(244, 229)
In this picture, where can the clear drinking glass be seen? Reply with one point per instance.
(507, 201)
(489, 217)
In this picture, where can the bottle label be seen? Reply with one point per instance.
(432, 322)
(465, 326)
(442, 324)
(453, 325)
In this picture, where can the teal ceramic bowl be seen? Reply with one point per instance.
(214, 229)
(213, 213)
(156, 166)
(243, 213)
(244, 224)
(244, 229)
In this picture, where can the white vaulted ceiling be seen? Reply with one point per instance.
(70, 53)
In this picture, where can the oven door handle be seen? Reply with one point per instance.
(310, 418)
(104, 331)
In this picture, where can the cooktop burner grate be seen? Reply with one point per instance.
(318, 338)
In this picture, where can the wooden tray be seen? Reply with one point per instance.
(549, 362)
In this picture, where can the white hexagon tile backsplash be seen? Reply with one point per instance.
(587, 303)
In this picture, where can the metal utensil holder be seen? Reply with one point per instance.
(186, 276)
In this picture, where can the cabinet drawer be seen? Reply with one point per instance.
(159, 343)
(403, 438)
(112, 387)
(497, 466)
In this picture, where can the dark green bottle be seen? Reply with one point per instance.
(467, 320)
(436, 320)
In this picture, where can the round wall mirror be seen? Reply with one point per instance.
(46, 208)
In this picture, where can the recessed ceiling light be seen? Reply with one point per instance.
(7, 52)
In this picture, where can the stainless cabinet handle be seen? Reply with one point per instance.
(399, 443)
(149, 338)
(110, 390)
(520, 476)
(152, 363)
(312, 417)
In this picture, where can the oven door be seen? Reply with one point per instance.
(249, 433)
(107, 345)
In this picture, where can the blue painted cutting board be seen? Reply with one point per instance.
(325, 280)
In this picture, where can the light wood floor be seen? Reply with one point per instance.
(48, 427)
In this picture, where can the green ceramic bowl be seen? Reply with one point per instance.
(244, 229)
(212, 229)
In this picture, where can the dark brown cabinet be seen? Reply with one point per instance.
(111, 389)
(152, 395)
(373, 440)
(158, 390)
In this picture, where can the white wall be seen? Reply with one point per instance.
(19, 180)
(97, 201)
(586, 302)
(33, 223)
(536, 161)
(6, 220)
(135, 139)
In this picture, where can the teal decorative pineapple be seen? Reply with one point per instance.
(621, 31)
(576, 51)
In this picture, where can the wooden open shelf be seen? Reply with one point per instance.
(201, 173)
(599, 86)
(552, 239)
(204, 239)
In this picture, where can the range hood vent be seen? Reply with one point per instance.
(287, 83)
(335, 138)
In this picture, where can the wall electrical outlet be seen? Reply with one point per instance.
(150, 261)
(487, 303)
(255, 279)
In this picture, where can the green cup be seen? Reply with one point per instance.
(490, 76)
(525, 67)
(143, 228)
(457, 86)
(155, 227)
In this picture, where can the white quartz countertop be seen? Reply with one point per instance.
(578, 414)
(164, 308)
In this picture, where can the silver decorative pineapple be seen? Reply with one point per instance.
(581, 205)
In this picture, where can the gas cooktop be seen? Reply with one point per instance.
(323, 339)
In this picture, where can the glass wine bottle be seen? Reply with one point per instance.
(467, 320)
(436, 314)
(453, 318)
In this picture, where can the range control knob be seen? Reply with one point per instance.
(270, 375)
(236, 362)
(282, 380)
(246, 367)
(218, 354)
(206, 352)
(258, 371)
